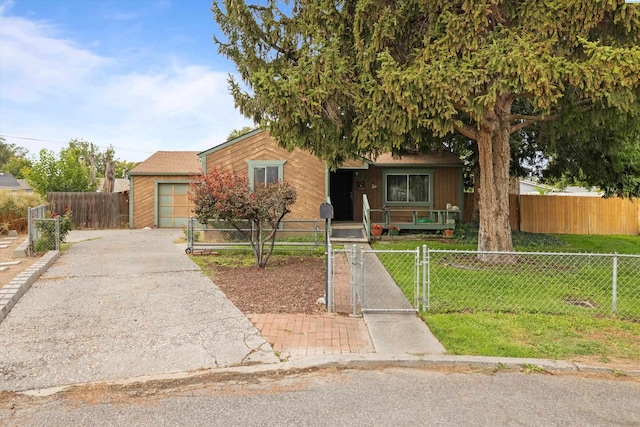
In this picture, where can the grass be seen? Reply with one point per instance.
(537, 336)
(492, 311)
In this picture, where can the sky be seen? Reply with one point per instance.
(139, 75)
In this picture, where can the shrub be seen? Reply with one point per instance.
(14, 207)
(47, 228)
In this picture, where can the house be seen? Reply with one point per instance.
(158, 189)
(412, 191)
(528, 186)
(8, 182)
(120, 185)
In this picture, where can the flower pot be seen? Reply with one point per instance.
(376, 231)
(394, 232)
(448, 233)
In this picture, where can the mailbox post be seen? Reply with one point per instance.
(326, 212)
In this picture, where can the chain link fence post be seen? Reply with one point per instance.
(329, 295)
(353, 279)
(614, 287)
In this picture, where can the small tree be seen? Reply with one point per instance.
(225, 195)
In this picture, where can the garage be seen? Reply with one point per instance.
(173, 205)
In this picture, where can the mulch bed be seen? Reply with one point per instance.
(287, 285)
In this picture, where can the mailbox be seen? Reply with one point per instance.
(326, 211)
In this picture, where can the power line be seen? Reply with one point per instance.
(66, 142)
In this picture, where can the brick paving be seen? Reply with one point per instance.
(307, 335)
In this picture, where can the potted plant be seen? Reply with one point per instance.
(448, 232)
(376, 230)
(393, 230)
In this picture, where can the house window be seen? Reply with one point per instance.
(263, 172)
(407, 187)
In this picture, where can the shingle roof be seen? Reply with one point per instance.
(8, 181)
(433, 158)
(170, 162)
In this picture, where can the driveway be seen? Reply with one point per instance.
(122, 304)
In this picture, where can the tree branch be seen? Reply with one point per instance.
(468, 131)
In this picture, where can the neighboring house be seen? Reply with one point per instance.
(401, 184)
(158, 195)
(8, 182)
(532, 187)
(120, 185)
(24, 186)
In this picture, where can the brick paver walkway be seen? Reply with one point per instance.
(307, 335)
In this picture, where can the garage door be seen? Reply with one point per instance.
(173, 205)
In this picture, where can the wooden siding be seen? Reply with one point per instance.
(92, 210)
(144, 197)
(570, 214)
(446, 189)
(302, 170)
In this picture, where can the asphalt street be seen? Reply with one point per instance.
(334, 397)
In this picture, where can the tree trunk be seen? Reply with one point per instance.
(494, 157)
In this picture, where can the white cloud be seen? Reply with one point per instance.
(54, 89)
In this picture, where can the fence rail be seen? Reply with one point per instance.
(447, 281)
(533, 282)
(216, 234)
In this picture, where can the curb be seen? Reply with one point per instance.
(369, 361)
(19, 285)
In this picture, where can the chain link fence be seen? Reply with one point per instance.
(533, 282)
(217, 234)
(47, 237)
(447, 281)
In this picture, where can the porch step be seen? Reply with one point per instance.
(348, 234)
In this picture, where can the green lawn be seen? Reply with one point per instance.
(539, 306)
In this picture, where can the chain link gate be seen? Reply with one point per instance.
(342, 277)
(395, 288)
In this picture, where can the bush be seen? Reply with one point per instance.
(47, 228)
(14, 208)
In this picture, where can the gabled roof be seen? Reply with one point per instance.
(434, 158)
(170, 163)
(7, 181)
(443, 158)
(225, 144)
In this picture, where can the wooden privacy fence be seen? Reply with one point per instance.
(92, 210)
(570, 214)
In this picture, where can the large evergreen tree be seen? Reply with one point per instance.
(343, 78)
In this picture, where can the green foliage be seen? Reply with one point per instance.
(47, 228)
(66, 173)
(224, 195)
(9, 151)
(13, 159)
(239, 132)
(348, 78)
(17, 166)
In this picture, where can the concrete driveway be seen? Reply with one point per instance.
(122, 304)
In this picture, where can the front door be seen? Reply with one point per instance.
(341, 193)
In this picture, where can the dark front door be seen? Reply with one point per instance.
(341, 193)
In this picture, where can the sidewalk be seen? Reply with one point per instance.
(300, 335)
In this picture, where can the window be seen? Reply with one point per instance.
(263, 172)
(407, 187)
